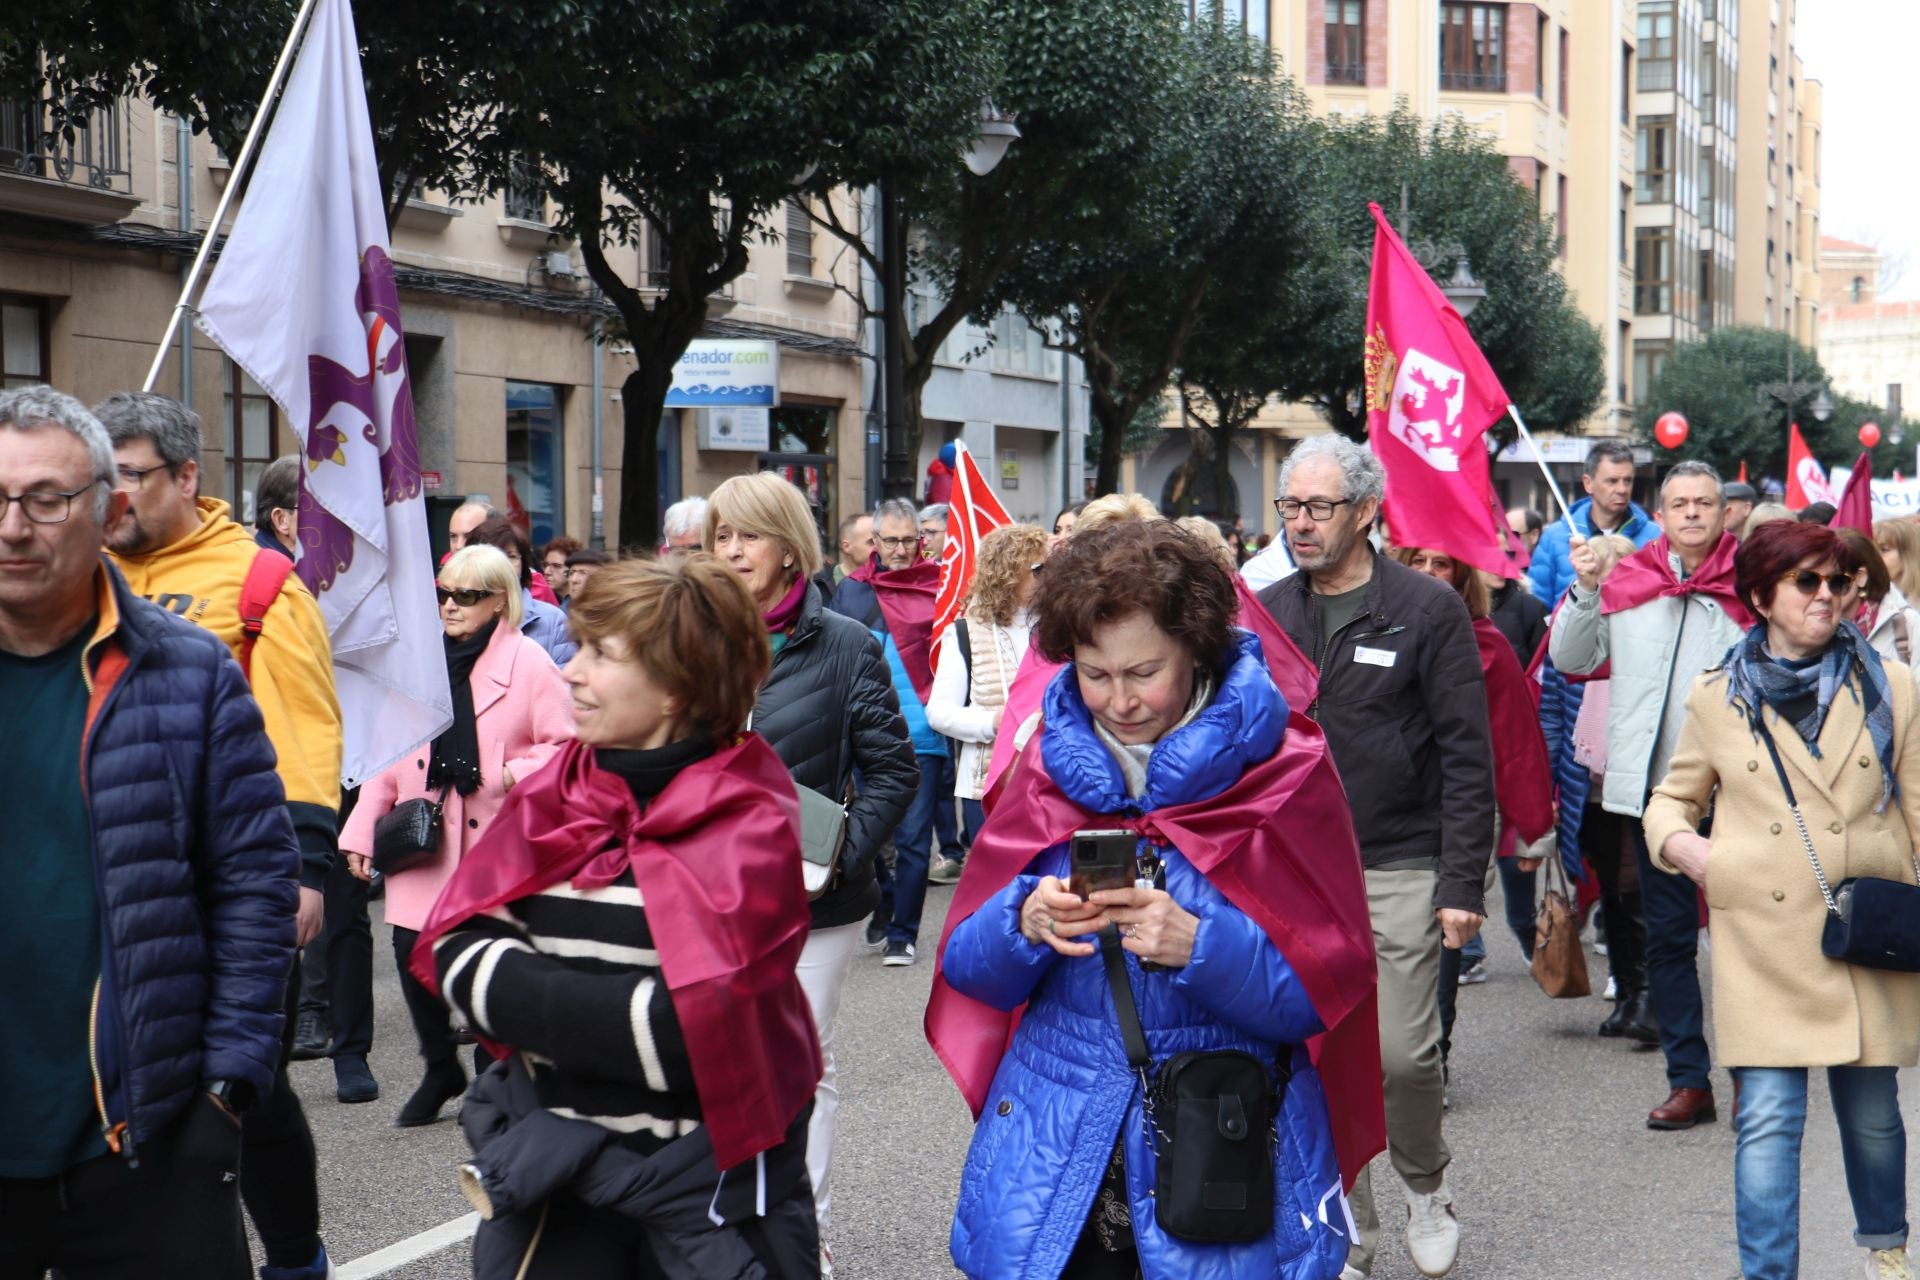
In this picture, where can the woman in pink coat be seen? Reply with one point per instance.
(511, 712)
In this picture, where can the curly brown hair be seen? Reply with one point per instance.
(1137, 566)
(1006, 556)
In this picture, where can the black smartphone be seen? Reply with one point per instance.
(1102, 860)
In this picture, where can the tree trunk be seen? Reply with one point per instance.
(1113, 438)
(1223, 491)
(643, 399)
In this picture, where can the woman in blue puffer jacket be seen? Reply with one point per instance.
(1166, 722)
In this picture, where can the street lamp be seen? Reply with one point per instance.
(1793, 391)
(997, 132)
(1464, 291)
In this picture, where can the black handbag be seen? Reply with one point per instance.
(1210, 1117)
(1871, 922)
(409, 834)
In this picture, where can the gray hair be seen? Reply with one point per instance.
(1607, 451)
(1361, 480)
(1691, 467)
(685, 517)
(896, 509)
(148, 415)
(278, 489)
(31, 408)
(938, 511)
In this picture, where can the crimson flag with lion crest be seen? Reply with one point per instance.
(1430, 398)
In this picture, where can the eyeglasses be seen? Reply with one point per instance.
(132, 478)
(465, 597)
(1808, 582)
(43, 507)
(900, 544)
(1317, 508)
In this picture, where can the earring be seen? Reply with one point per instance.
(786, 564)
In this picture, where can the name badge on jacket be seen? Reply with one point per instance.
(1374, 657)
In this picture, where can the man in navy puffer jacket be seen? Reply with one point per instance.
(149, 922)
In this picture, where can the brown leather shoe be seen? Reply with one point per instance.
(1683, 1109)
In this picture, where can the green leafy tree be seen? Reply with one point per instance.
(1136, 280)
(1547, 356)
(1716, 384)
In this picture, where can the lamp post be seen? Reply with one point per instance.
(997, 132)
(1463, 289)
(1792, 391)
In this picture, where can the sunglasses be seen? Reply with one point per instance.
(465, 597)
(1808, 582)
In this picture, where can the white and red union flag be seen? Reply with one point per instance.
(972, 513)
(1430, 398)
(304, 300)
(1806, 478)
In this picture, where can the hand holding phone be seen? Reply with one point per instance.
(1101, 860)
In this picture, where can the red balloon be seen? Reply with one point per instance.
(1869, 435)
(1670, 429)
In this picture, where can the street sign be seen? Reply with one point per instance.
(726, 373)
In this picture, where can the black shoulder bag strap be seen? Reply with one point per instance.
(1131, 1033)
(964, 638)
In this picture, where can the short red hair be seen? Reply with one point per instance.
(1775, 549)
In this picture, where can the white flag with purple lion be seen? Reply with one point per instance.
(304, 300)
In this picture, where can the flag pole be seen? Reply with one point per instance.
(1513, 411)
(235, 181)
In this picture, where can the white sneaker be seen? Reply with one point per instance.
(1889, 1264)
(1352, 1273)
(1612, 991)
(1433, 1233)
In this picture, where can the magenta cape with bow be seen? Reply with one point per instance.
(716, 857)
(1647, 574)
(907, 598)
(1292, 674)
(1279, 843)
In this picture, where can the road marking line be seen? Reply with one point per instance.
(412, 1249)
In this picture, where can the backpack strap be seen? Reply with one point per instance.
(965, 641)
(265, 576)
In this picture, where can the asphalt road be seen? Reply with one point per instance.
(1554, 1174)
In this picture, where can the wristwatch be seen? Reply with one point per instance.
(235, 1095)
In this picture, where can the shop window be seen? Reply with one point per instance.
(535, 471)
(803, 455)
(254, 426)
(23, 342)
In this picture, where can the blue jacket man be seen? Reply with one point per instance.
(149, 925)
(1551, 572)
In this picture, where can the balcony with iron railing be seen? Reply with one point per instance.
(1453, 80)
(77, 173)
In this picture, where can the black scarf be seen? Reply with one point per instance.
(456, 752)
(647, 773)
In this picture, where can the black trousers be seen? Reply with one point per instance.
(177, 1214)
(432, 1023)
(576, 1241)
(1605, 841)
(278, 1178)
(339, 966)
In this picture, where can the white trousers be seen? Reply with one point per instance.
(823, 976)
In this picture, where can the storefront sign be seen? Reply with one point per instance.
(726, 373)
(746, 429)
(430, 481)
(1562, 451)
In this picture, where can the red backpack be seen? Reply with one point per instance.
(265, 576)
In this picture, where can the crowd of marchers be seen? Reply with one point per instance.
(1221, 834)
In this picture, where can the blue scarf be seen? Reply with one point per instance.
(1755, 680)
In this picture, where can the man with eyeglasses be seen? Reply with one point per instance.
(181, 550)
(149, 915)
(1668, 612)
(1404, 708)
(893, 597)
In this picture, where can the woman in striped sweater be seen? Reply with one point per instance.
(628, 930)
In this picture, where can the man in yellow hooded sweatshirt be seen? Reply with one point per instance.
(183, 551)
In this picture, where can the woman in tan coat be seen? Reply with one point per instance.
(1843, 721)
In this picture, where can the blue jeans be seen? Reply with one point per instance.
(1766, 1162)
(946, 829)
(1671, 906)
(913, 853)
(973, 816)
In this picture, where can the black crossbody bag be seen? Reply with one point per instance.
(409, 834)
(1871, 922)
(1210, 1117)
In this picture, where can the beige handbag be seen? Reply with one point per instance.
(1559, 964)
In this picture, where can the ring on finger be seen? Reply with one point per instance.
(1132, 930)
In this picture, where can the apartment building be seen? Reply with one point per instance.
(1870, 348)
(95, 235)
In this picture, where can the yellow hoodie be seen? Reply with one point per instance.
(199, 577)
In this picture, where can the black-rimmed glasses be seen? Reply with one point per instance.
(42, 506)
(133, 478)
(1316, 508)
(900, 544)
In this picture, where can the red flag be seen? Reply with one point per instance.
(1743, 471)
(1856, 502)
(972, 513)
(1430, 398)
(1806, 479)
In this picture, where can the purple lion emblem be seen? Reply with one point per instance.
(336, 395)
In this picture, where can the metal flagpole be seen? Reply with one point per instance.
(1565, 512)
(235, 181)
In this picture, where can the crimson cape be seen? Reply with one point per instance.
(1648, 574)
(716, 857)
(1279, 844)
(1522, 777)
(907, 598)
